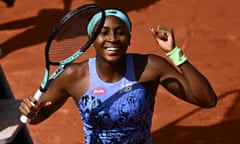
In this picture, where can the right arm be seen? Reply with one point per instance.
(72, 82)
(48, 103)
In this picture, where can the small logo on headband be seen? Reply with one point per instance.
(113, 12)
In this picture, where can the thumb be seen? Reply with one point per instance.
(38, 105)
(45, 104)
(154, 33)
(159, 36)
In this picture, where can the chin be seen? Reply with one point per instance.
(115, 58)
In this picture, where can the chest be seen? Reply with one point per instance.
(125, 107)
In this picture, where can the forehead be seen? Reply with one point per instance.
(114, 21)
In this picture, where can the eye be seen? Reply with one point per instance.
(104, 32)
(120, 32)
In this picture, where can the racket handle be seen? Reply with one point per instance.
(24, 119)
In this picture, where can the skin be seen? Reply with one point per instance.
(186, 83)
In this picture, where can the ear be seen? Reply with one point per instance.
(129, 39)
(93, 45)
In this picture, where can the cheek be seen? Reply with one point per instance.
(98, 41)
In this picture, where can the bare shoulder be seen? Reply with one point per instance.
(149, 60)
(150, 66)
(149, 57)
(75, 79)
(76, 69)
(76, 72)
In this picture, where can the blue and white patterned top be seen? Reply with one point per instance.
(116, 113)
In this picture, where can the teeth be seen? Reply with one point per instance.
(111, 49)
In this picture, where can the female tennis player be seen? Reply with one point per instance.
(115, 91)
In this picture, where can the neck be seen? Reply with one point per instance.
(111, 72)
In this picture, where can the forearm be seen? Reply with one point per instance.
(199, 87)
(189, 84)
(196, 86)
(40, 116)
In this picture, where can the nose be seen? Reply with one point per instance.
(112, 36)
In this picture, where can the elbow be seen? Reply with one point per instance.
(210, 103)
(213, 103)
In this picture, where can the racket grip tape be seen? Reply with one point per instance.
(24, 119)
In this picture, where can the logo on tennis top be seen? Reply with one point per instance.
(99, 91)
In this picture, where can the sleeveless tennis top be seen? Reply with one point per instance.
(116, 113)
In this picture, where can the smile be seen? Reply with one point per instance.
(112, 49)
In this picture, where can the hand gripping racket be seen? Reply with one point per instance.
(68, 41)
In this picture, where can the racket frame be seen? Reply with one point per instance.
(62, 64)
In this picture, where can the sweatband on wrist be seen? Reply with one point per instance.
(177, 56)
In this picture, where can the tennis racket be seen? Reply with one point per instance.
(68, 41)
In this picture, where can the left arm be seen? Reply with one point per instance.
(188, 83)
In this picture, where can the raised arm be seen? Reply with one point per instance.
(185, 82)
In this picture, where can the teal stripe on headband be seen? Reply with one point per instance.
(108, 12)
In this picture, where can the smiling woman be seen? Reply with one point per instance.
(115, 91)
(114, 38)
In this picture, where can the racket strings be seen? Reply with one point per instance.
(63, 49)
(71, 36)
